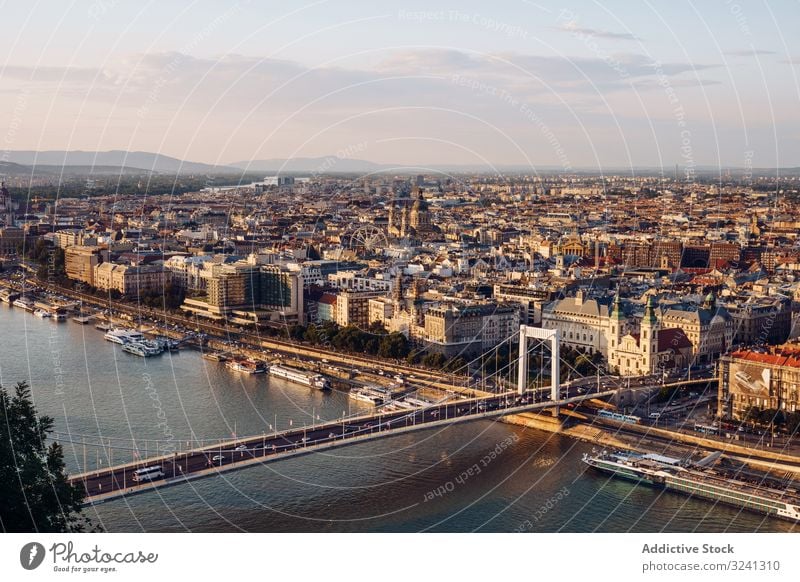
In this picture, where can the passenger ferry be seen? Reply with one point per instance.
(417, 402)
(124, 336)
(143, 349)
(246, 366)
(698, 480)
(367, 395)
(310, 379)
(25, 304)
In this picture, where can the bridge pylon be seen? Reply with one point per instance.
(554, 338)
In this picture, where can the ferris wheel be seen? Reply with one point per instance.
(368, 239)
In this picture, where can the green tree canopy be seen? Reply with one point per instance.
(36, 495)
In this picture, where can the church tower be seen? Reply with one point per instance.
(404, 222)
(648, 339)
(419, 217)
(617, 324)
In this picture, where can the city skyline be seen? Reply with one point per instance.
(349, 267)
(579, 86)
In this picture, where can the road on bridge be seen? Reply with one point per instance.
(169, 469)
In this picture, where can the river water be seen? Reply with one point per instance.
(437, 480)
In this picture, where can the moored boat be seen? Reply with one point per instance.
(246, 366)
(303, 377)
(24, 303)
(366, 395)
(144, 349)
(698, 480)
(123, 336)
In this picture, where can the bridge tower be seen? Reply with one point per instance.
(543, 335)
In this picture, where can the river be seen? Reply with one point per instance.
(437, 480)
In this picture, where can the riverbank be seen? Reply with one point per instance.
(648, 439)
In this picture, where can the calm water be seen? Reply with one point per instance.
(537, 483)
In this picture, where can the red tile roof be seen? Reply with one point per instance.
(672, 338)
(783, 356)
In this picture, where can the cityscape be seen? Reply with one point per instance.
(481, 290)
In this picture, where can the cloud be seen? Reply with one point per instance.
(573, 28)
(43, 74)
(749, 53)
(644, 84)
(539, 73)
(163, 80)
(240, 106)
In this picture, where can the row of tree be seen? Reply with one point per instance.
(758, 417)
(374, 340)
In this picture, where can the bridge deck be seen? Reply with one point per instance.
(178, 468)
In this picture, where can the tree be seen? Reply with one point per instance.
(36, 493)
(751, 415)
(584, 365)
(434, 360)
(456, 364)
(394, 345)
(312, 335)
(297, 331)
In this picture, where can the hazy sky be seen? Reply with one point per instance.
(570, 84)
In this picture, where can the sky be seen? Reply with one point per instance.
(569, 85)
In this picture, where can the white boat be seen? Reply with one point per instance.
(310, 379)
(124, 336)
(26, 304)
(246, 366)
(136, 349)
(417, 402)
(365, 395)
(58, 316)
(42, 313)
(143, 349)
(698, 481)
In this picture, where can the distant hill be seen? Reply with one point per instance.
(118, 162)
(323, 165)
(46, 161)
(12, 169)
